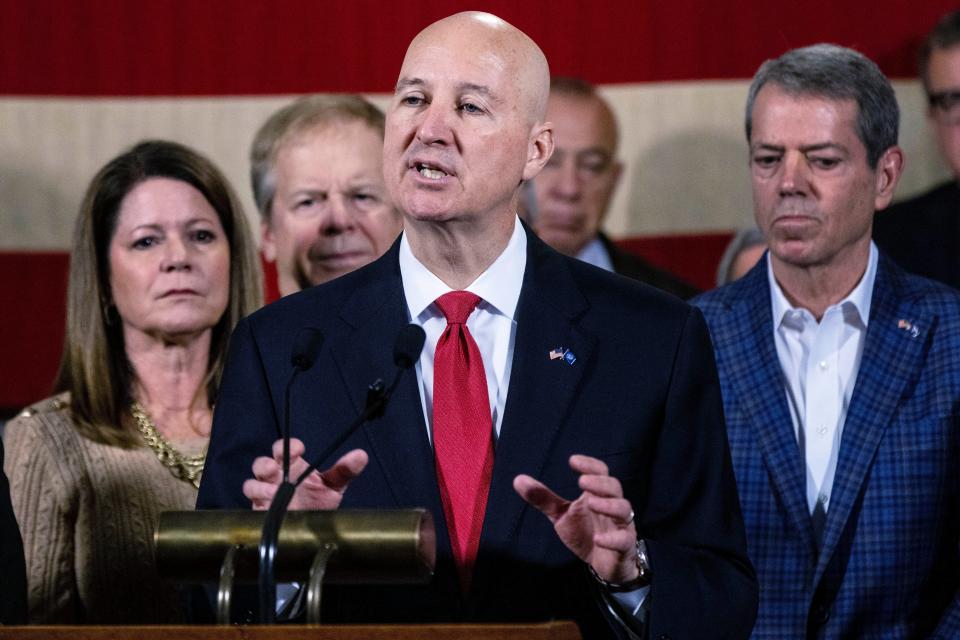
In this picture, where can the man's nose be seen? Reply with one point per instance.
(435, 126)
(338, 217)
(568, 184)
(793, 176)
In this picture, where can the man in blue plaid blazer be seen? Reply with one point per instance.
(840, 372)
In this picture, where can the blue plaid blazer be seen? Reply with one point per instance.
(887, 565)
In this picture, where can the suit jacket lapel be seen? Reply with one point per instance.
(541, 389)
(399, 444)
(756, 380)
(892, 354)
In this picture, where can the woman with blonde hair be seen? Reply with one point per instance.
(162, 268)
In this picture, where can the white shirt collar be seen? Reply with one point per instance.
(858, 300)
(498, 286)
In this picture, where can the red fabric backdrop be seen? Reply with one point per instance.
(226, 47)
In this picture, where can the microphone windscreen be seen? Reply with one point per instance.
(409, 344)
(306, 347)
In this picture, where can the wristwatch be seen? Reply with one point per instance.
(643, 573)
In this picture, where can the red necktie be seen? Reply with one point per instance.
(462, 431)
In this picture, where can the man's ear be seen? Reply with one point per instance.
(539, 150)
(889, 170)
(268, 246)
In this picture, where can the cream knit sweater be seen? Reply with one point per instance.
(87, 513)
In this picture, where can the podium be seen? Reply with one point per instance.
(387, 547)
(368, 547)
(559, 630)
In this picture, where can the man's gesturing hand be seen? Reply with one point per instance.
(598, 526)
(319, 491)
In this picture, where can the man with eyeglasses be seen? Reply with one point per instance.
(574, 190)
(922, 234)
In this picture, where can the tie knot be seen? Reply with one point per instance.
(457, 305)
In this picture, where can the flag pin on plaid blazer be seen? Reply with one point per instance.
(909, 327)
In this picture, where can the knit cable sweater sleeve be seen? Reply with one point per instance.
(45, 485)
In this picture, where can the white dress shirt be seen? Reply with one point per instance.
(820, 361)
(491, 324)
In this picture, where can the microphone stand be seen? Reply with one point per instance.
(410, 340)
(270, 534)
(306, 347)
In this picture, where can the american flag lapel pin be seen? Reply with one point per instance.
(562, 353)
(909, 327)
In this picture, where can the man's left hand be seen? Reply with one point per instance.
(598, 526)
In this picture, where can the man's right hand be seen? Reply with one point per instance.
(319, 491)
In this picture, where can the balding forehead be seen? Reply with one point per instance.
(477, 30)
(600, 111)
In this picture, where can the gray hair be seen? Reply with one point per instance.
(945, 34)
(304, 114)
(741, 241)
(837, 73)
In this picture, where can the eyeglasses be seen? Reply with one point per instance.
(946, 106)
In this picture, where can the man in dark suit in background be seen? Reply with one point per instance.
(602, 388)
(573, 192)
(922, 234)
(840, 372)
(13, 602)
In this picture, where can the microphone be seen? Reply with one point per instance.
(409, 344)
(306, 347)
(406, 352)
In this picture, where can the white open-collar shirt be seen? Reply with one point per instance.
(820, 361)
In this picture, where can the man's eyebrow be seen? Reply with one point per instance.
(596, 151)
(819, 146)
(762, 146)
(404, 83)
(482, 89)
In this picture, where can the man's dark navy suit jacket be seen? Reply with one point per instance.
(642, 395)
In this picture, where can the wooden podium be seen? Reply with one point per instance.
(372, 547)
(562, 630)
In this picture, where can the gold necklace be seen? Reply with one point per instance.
(186, 468)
